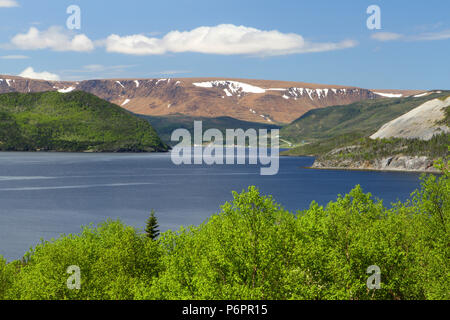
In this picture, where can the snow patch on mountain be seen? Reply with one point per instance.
(389, 95)
(422, 94)
(118, 82)
(8, 81)
(66, 90)
(233, 87)
(162, 80)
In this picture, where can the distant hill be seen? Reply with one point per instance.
(422, 122)
(358, 119)
(410, 142)
(165, 125)
(263, 101)
(75, 121)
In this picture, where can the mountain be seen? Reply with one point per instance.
(264, 101)
(75, 121)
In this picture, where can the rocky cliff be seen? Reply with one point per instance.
(392, 163)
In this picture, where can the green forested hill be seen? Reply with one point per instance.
(357, 119)
(165, 125)
(75, 121)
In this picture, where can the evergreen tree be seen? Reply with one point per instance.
(152, 226)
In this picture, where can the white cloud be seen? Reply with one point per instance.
(30, 73)
(172, 72)
(54, 38)
(430, 36)
(427, 36)
(386, 36)
(14, 57)
(225, 39)
(8, 3)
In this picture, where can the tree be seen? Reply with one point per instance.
(151, 229)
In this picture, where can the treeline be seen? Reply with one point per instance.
(255, 249)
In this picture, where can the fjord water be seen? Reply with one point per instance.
(43, 195)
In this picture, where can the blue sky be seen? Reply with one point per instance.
(312, 41)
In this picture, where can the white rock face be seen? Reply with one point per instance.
(421, 122)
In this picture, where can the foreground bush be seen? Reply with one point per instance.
(254, 249)
(111, 257)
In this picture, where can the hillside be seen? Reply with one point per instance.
(422, 122)
(393, 154)
(76, 121)
(264, 101)
(165, 125)
(410, 142)
(350, 121)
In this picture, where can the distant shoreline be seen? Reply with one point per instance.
(373, 169)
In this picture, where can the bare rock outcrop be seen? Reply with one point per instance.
(394, 163)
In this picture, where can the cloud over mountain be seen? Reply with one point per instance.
(30, 73)
(224, 39)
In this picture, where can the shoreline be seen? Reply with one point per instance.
(374, 169)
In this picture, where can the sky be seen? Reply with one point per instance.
(327, 42)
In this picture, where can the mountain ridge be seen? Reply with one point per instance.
(254, 100)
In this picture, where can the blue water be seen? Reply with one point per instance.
(45, 194)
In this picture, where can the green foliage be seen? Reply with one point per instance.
(75, 121)
(151, 228)
(240, 253)
(254, 249)
(112, 258)
(5, 277)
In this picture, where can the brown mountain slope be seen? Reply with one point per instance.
(244, 99)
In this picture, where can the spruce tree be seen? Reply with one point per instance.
(152, 226)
